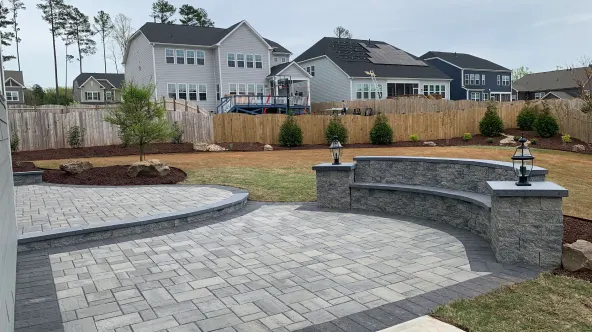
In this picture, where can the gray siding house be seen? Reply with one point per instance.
(97, 88)
(556, 84)
(201, 64)
(15, 87)
(340, 70)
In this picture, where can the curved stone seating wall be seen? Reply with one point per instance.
(459, 174)
(523, 224)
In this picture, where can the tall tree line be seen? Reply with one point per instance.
(163, 12)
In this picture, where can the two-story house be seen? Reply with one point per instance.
(557, 84)
(342, 69)
(15, 87)
(211, 66)
(97, 88)
(473, 78)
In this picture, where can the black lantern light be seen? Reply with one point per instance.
(523, 162)
(336, 149)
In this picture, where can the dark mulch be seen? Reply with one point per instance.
(23, 166)
(111, 176)
(576, 229)
(584, 274)
(100, 151)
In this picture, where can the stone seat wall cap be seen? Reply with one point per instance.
(331, 167)
(536, 189)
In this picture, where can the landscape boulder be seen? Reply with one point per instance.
(268, 147)
(205, 147)
(152, 168)
(508, 140)
(75, 166)
(578, 148)
(215, 148)
(429, 143)
(577, 256)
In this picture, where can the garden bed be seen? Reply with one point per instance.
(23, 166)
(111, 176)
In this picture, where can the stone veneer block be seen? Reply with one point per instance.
(527, 222)
(27, 178)
(333, 185)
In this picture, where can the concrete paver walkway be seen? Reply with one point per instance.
(41, 208)
(268, 267)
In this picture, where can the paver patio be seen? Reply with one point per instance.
(279, 267)
(41, 208)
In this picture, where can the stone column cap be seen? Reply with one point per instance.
(331, 167)
(536, 189)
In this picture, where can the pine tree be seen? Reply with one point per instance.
(54, 14)
(104, 26)
(162, 11)
(16, 6)
(194, 16)
(6, 37)
(79, 29)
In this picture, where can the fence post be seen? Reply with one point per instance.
(185, 105)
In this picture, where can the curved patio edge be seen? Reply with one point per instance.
(79, 234)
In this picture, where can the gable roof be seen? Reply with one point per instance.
(559, 95)
(552, 80)
(164, 33)
(278, 69)
(463, 60)
(15, 75)
(355, 57)
(115, 80)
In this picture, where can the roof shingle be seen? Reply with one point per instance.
(464, 60)
(115, 79)
(551, 80)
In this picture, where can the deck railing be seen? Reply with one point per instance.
(227, 103)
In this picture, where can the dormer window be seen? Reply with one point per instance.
(284, 59)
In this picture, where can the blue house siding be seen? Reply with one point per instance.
(456, 90)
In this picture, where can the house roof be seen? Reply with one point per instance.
(559, 94)
(552, 80)
(192, 35)
(356, 56)
(115, 80)
(464, 60)
(278, 69)
(15, 75)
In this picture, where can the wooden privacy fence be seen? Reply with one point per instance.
(48, 128)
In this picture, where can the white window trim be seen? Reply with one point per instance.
(92, 94)
(111, 95)
(247, 61)
(179, 91)
(477, 79)
(485, 96)
(189, 91)
(483, 79)
(187, 57)
(255, 60)
(230, 89)
(198, 92)
(174, 56)
(204, 57)
(312, 70)
(184, 57)
(467, 79)
(499, 80)
(244, 60)
(284, 60)
(168, 90)
(239, 89)
(227, 60)
(12, 94)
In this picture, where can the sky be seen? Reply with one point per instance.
(538, 34)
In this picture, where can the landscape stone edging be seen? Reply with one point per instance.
(71, 235)
(477, 162)
(27, 178)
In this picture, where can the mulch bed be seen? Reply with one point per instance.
(23, 166)
(111, 176)
(101, 151)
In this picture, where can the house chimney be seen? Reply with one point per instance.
(454, 54)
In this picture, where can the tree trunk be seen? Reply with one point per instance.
(141, 151)
(18, 56)
(55, 57)
(79, 54)
(66, 84)
(104, 52)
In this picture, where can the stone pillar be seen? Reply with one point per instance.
(333, 185)
(527, 222)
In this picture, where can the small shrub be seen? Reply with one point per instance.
(230, 147)
(516, 138)
(290, 133)
(381, 133)
(76, 137)
(491, 125)
(336, 129)
(533, 141)
(545, 125)
(467, 136)
(566, 138)
(490, 140)
(14, 142)
(414, 138)
(176, 133)
(526, 117)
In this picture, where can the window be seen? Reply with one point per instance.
(475, 96)
(372, 91)
(192, 91)
(172, 90)
(217, 91)
(358, 91)
(201, 57)
(366, 91)
(190, 57)
(443, 91)
(180, 57)
(539, 95)
(312, 71)
(251, 89)
(232, 88)
(203, 92)
(170, 55)
(109, 95)
(14, 96)
(90, 96)
(499, 80)
(242, 89)
(260, 88)
(283, 59)
(505, 80)
(379, 91)
(466, 79)
(483, 79)
(258, 61)
(472, 79)
(426, 90)
(231, 62)
(275, 59)
(182, 88)
(250, 60)
(485, 96)
(240, 60)
(477, 79)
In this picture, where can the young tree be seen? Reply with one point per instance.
(113, 55)
(162, 11)
(53, 13)
(341, 32)
(140, 120)
(519, 72)
(103, 26)
(194, 16)
(6, 37)
(16, 6)
(79, 29)
(122, 32)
